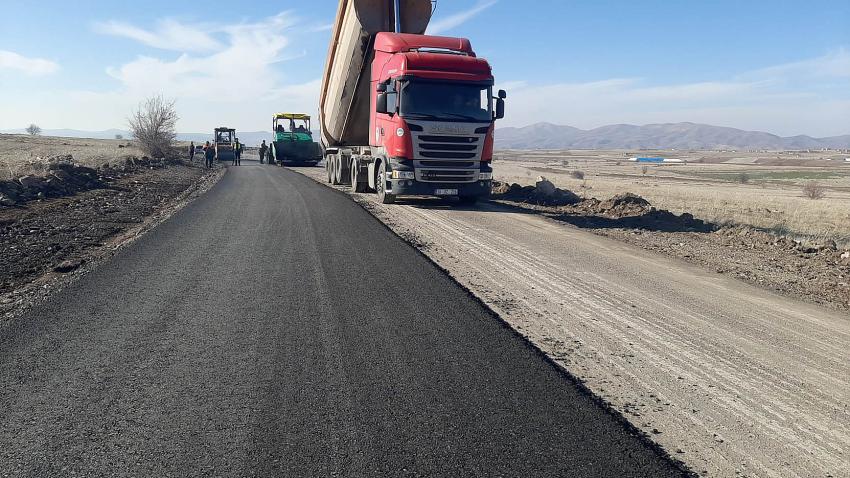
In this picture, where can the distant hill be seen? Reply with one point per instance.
(552, 136)
(655, 136)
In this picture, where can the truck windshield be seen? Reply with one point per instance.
(446, 101)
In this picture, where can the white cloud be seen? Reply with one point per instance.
(168, 35)
(236, 81)
(30, 66)
(444, 24)
(789, 99)
(832, 65)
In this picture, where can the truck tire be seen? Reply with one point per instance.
(381, 186)
(328, 163)
(335, 170)
(356, 186)
(344, 169)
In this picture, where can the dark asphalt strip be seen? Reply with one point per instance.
(274, 327)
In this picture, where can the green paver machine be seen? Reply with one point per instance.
(293, 140)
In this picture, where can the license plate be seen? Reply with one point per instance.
(445, 192)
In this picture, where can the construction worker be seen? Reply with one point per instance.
(235, 154)
(263, 149)
(209, 154)
(192, 151)
(271, 155)
(239, 147)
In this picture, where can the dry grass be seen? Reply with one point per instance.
(21, 155)
(771, 198)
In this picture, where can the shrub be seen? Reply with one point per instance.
(33, 129)
(644, 170)
(577, 174)
(119, 136)
(813, 190)
(743, 178)
(153, 126)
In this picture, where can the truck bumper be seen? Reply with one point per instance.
(409, 187)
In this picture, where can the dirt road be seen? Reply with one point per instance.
(274, 328)
(731, 379)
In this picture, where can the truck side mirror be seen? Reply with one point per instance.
(382, 88)
(500, 108)
(381, 104)
(503, 94)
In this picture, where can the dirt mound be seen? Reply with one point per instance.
(63, 177)
(543, 193)
(627, 204)
(625, 210)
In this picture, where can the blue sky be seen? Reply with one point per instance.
(777, 66)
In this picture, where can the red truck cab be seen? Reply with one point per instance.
(433, 115)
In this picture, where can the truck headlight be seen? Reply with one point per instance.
(485, 176)
(403, 175)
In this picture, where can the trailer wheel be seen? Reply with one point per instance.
(381, 185)
(328, 168)
(356, 186)
(344, 173)
(335, 170)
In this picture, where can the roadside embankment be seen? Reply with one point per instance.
(62, 222)
(815, 271)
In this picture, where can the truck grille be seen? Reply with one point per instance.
(447, 147)
(447, 175)
(447, 158)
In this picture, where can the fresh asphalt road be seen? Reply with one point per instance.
(275, 328)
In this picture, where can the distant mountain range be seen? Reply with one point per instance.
(552, 136)
(656, 136)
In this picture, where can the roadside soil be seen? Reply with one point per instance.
(731, 379)
(817, 272)
(46, 242)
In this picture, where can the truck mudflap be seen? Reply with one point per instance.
(402, 187)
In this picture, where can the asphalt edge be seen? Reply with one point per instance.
(50, 283)
(583, 389)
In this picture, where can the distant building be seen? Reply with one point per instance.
(647, 160)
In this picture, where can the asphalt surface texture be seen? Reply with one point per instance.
(275, 328)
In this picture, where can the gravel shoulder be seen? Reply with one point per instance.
(732, 379)
(47, 243)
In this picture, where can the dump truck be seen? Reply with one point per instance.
(225, 143)
(293, 140)
(403, 113)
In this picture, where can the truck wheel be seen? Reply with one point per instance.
(328, 168)
(335, 169)
(356, 186)
(344, 169)
(381, 186)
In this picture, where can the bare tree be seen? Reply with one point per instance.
(644, 170)
(153, 125)
(743, 178)
(33, 129)
(813, 190)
